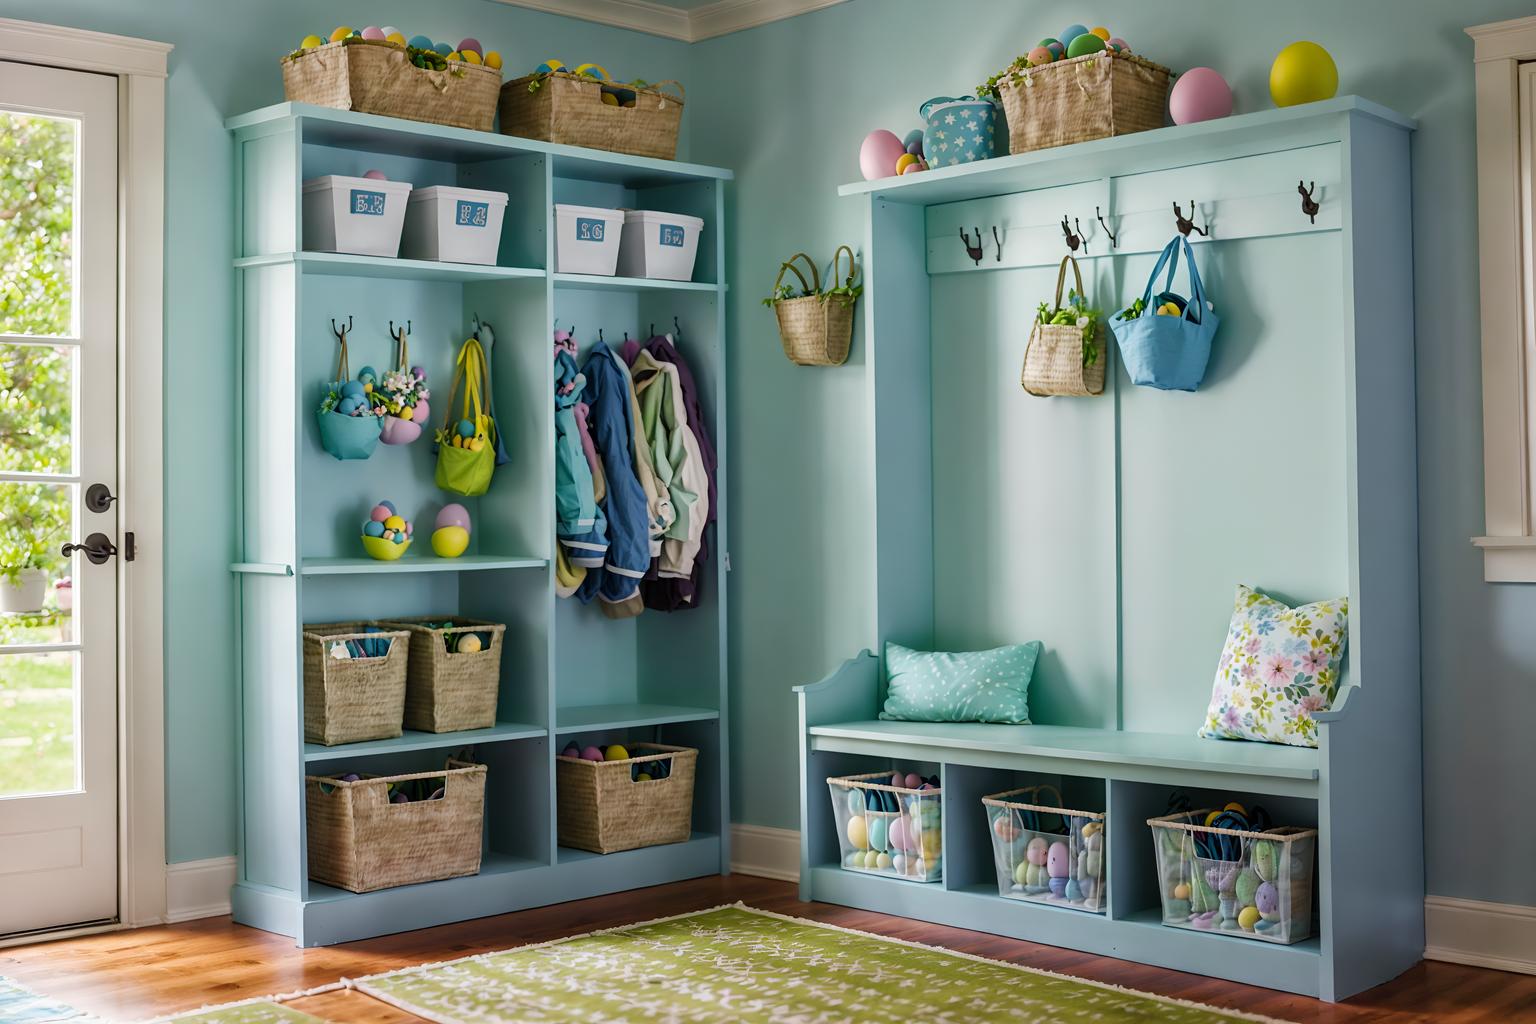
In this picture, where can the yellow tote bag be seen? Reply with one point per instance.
(466, 452)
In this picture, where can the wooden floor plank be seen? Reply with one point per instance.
(152, 971)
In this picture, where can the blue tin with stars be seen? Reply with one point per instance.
(958, 130)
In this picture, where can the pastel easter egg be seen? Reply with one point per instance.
(421, 42)
(1084, 44)
(394, 523)
(854, 859)
(1101, 32)
(615, 751)
(855, 800)
(878, 837)
(493, 60)
(471, 45)
(1057, 860)
(1093, 864)
(1119, 45)
(898, 780)
(1054, 45)
(901, 833)
(871, 859)
(878, 154)
(1200, 94)
(373, 32)
(443, 48)
(452, 514)
(310, 42)
(1267, 899)
(1004, 828)
(1181, 891)
(454, 55)
(858, 832)
(591, 754)
(351, 389)
(1036, 851)
(399, 538)
(1058, 887)
(1071, 32)
(571, 750)
(380, 513)
(1264, 859)
(596, 71)
(466, 428)
(1041, 55)
(470, 56)
(912, 781)
(450, 541)
(375, 174)
(373, 528)
(1246, 887)
(905, 162)
(884, 861)
(1021, 872)
(550, 67)
(1247, 918)
(1072, 891)
(386, 503)
(914, 142)
(899, 864)
(340, 32)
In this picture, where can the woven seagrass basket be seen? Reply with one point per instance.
(1055, 358)
(602, 808)
(349, 700)
(1089, 97)
(569, 109)
(447, 691)
(816, 329)
(375, 76)
(360, 841)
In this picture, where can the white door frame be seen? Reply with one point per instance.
(140, 67)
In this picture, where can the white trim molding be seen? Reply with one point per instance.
(199, 888)
(690, 26)
(1505, 204)
(141, 67)
(765, 852)
(1497, 935)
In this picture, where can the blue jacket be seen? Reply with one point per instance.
(617, 582)
(580, 525)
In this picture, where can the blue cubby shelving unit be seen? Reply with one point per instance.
(567, 672)
(1115, 528)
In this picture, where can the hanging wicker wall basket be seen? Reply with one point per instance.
(816, 328)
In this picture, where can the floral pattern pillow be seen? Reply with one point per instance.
(1280, 665)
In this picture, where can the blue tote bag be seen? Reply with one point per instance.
(1164, 351)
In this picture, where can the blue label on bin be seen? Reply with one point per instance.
(470, 214)
(590, 229)
(673, 235)
(369, 204)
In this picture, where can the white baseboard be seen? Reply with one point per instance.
(1497, 935)
(198, 888)
(766, 852)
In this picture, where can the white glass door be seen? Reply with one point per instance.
(58, 532)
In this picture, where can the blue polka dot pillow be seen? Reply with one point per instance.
(977, 686)
(1279, 665)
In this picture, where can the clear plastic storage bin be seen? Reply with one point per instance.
(1254, 884)
(662, 246)
(454, 225)
(360, 216)
(888, 830)
(1046, 853)
(587, 239)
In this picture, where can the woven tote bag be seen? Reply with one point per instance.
(1054, 358)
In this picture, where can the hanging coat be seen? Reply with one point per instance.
(580, 525)
(675, 594)
(657, 499)
(616, 583)
(679, 466)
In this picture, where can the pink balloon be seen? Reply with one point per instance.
(879, 153)
(421, 412)
(1200, 94)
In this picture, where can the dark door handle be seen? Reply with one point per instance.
(99, 497)
(98, 548)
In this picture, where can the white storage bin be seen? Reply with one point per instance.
(361, 216)
(454, 225)
(587, 239)
(659, 245)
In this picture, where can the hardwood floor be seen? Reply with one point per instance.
(141, 974)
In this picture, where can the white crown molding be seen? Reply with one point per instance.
(33, 43)
(1504, 40)
(690, 26)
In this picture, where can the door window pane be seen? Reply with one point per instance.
(37, 217)
(34, 525)
(38, 696)
(37, 401)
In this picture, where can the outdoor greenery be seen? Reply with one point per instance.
(37, 707)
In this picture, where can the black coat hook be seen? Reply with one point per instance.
(1113, 239)
(341, 332)
(1309, 206)
(653, 330)
(395, 332)
(600, 338)
(1074, 238)
(1186, 225)
(677, 329)
(998, 240)
(974, 251)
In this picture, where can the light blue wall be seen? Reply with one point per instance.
(226, 62)
(786, 106)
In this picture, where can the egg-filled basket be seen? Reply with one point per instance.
(888, 830)
(570, 109)
(453, 675)
(354, 682)
(1046, 853)
(1093, 96)
(605, 807)
(376, 76)
(1253, 884)
(361, 840)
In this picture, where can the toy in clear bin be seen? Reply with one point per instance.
(1224, 870)
(890, 823)
(1046, 853)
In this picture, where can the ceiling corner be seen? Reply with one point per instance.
(689, 25)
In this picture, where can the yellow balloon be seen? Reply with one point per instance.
(1302, 73)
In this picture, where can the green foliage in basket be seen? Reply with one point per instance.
(1076, 311)
(989, 87)
(1134, 310)
(846, 294)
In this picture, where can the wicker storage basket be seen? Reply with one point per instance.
(602, 808)
(1054, 358)
(374, 76)
(349, 700)
(448, 692)
(1089, 97)
(360, 841)
(569, 109)
(816, 329)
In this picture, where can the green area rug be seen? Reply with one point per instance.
(254, 1011)
(737, 964)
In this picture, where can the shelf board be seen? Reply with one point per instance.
(1112, 749)
(597, 717)
(336, 264)
(316, 753)
(363, 565)
(571, 855)
(1152, 917)
(492, 866)
(631, 284)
